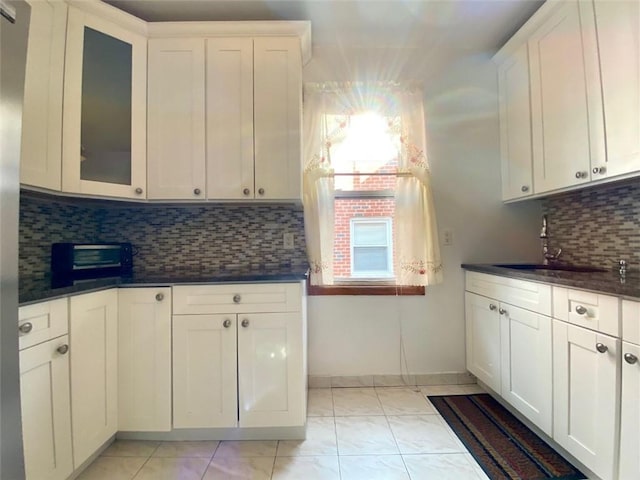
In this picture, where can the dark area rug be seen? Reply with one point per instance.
(503, 446)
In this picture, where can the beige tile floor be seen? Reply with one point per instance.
(383, 433)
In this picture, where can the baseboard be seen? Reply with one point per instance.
(198, 434)
(338, 381)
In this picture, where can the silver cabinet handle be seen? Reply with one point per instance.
(525, 188)
(630, 358)
(159, 296)
(580, 310)
(63, 349)
(25, 328)
(237, 298)
(503, 311)
(492, 307)
(599, 170)
(245, 322)
(196, 191)
(601, 347)
(138, 191)
(226, 323)
(261, 191)
(246, 191)
(581, 174)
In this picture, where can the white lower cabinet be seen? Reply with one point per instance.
(204, 371)
(271, 383)
(483, 339)
(239, 369)
(93, 329)
(144, 359)
(46, 415)
(630, 413)
(526, 364)
(586, 386)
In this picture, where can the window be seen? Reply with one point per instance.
(364, 156)
(371, 248)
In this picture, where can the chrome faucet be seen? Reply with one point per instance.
(548, 257)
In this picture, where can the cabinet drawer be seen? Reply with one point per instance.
(528, 295)
(631, 321)
(237, 298)
(589, 310)
(42, 321)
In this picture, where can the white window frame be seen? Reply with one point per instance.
(372, 274)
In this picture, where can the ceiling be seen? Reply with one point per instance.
(454, 26)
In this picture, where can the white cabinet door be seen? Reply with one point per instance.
(46, 414)
(41, 150)
(586, 386)
(566, 101)
(483, 339)
(204, 371)
(104, 139)
(277, 117)
(618, 25)
(270, 373)
(630, 413)
(526, 364)
(230, 118)
(176, 127)
(144, 359)
(515, 125)
(93, 328)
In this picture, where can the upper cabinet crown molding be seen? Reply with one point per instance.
(111, 14)
(300, 29)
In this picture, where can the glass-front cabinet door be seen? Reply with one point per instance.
(104, 117)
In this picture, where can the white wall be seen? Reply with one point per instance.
(351, 335)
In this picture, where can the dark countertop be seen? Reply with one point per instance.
(33, 290)
(608, 282)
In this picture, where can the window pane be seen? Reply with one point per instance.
(370, 233)
(370, 259)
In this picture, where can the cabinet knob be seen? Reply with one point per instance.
(630, 358)
(25, 328)
(581, 174)
(237, 298)
(599, 170)
(580, 310)
(503, 311)
(492, 307)
(246, 191)
(261, 191)
(196, 191)
(138, 191)
(226, 323)
(63, 349)
(245, 322)
(159, 296)
(601, 347)
(525, 188)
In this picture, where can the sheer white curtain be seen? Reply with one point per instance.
(318, 188)
(416, 237)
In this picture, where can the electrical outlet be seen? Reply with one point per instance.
(287, 241)
(447, 237)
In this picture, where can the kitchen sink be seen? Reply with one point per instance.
(554, 267)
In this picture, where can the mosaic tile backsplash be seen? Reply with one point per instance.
(597, 226)
(175, 238)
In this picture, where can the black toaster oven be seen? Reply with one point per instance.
(91, 260)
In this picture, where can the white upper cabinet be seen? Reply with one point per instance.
(515, 125)
(176, 126)
(41, 150)
(618, 26)
(566, 103)
(230, 118)
(278, 117)
(104, 114)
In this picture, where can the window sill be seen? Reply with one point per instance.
(390, 290)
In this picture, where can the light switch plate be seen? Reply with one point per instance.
(287, 241)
